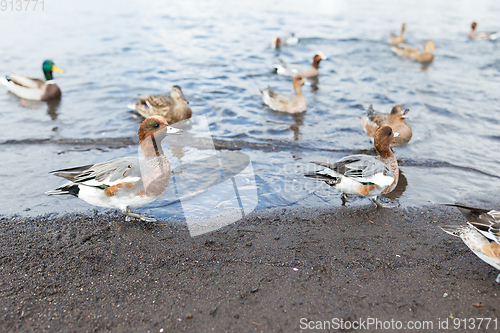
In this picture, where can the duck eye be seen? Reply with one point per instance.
(390, 132)
(157, 125)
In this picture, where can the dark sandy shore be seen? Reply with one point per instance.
(265, 273)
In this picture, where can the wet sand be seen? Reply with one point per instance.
(81, 273)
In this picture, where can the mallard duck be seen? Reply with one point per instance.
(395, 39)
(283, 68)
(415, 54)
(481, 234)
(283, 102)
(396, 119)
(35, 89)
(284, 41)
(173, 108)
(364, 175)
(480, 35)
(126, 182)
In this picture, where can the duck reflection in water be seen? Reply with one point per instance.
(52, 106)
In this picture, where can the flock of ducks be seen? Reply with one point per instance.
(132, 182)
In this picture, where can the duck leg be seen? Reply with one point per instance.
(344, 198)
(378, 203)
(129, 214)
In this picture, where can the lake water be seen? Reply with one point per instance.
(218, 52)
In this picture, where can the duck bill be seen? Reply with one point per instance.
(405, 114)
(173, 130)
(57, 69)
(396, 134)
(184, 101)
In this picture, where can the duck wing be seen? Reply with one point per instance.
(364, 169)
(120, 170)
(487, 222)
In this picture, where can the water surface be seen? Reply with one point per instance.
(219, 53)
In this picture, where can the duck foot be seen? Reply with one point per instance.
(344, 198)
(378, 203)
(383, 205)
(128, 214)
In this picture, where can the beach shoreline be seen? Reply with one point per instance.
(276, 270)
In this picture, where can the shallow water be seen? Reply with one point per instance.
(219, 53)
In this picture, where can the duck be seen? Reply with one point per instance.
(286, 103)
(284, 41)
(481, 234)
(127, 182)
(395, 39)
(396, 119)
(35, 89)
(172, 108)
(425, 56)
(481, 35)
(363, 175)
(283, 68)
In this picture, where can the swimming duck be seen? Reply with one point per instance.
(283, 68)
(364, 175)
(483, 226)
(396, 119)
(35, 89)
(395, 39)
(127, 182)
(415, 54)
(480, 35)
(284, 41)
(173, 108)
(283, 102)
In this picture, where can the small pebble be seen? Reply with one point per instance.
(254, 290)
(277, 237)
(445, 295)
(189, 316)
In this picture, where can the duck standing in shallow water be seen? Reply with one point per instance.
(35, 89)
(396, 119)
(127, 182)
(173, 108)
(395, 39)
(425, 56)
(481, 35)
(283, 68)
(364, 175)
(283, 102)
(483, 226)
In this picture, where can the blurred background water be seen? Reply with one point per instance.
(219, 53)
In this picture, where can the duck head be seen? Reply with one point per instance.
(155, 126)
(317, 58)
(429, 46)
(473, 25)
(48, 67)
(383, 137)
(276, 42)
(176, 93)
(398, 114)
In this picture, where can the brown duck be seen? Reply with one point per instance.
(424, 56)
(172, 108)
(396, 119)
